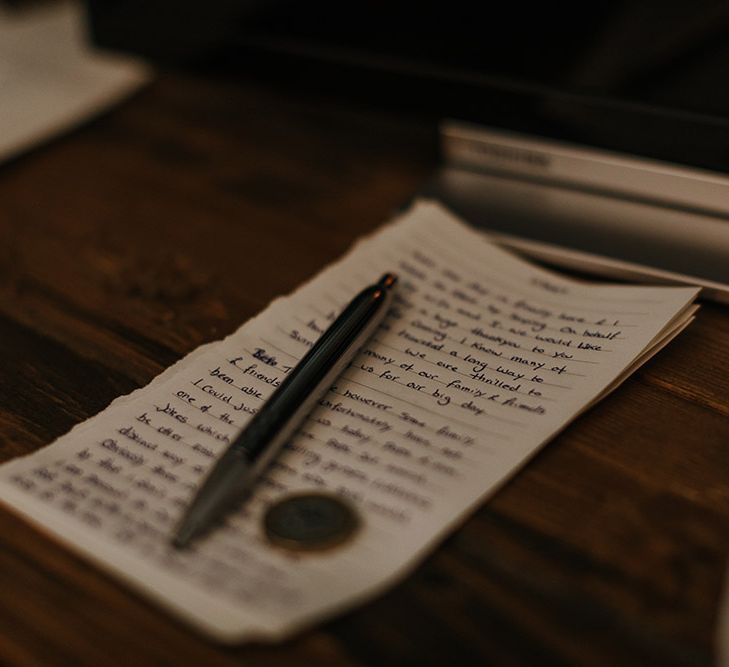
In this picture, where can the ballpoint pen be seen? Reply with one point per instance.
(235, 473)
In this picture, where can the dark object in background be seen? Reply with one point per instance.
(645, 78)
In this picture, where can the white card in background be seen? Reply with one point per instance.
(51, 80)
(483, 358)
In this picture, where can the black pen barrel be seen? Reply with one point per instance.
(235, 472)
(328, 357)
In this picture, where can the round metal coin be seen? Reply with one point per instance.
(310, 522)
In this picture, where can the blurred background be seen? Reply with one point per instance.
(643, 80)
(646, 77)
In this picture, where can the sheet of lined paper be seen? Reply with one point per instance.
(481, 360)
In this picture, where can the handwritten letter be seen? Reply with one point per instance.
(482, 359)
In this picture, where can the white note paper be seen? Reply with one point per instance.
(482, 359)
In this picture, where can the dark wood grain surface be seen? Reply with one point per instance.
(173, 219)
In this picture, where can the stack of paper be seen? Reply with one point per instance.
(482, 360)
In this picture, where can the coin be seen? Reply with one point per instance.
(310, 522)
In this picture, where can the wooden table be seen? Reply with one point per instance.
(135, 239)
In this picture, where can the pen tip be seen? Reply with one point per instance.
(184, 535)
(388, 280)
